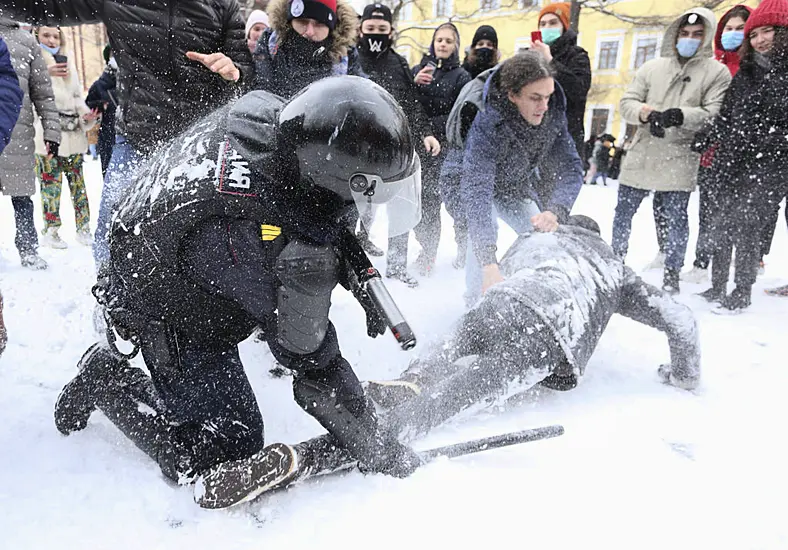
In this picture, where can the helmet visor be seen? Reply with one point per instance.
(401, 198)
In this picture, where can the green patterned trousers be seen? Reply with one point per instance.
(50, 172)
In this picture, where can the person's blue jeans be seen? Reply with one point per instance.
(516, 215)
(674, 206)
(120, 174)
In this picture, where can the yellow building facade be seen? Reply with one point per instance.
(618, 42)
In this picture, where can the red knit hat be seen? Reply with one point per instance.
(562, 10)
(323, 11)
(771, 13)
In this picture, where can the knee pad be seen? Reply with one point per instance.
(308, 274)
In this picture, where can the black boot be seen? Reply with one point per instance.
(713, 294)
(401, 274)
(98, 367)
(368, 246)
(670, 281)
(738, 300)
(351, 419)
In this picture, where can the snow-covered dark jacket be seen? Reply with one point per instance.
(286, 62)
(98, 95)
(10, 96)
(573, 73)
(573, 282)
(438, 96)
(160, 91)
(508, 160)
(752, 125)
(390, 70)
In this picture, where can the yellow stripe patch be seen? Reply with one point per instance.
(270, 232)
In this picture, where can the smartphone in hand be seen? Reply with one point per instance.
(59, 58)
(536, 36)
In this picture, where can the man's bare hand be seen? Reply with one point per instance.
(543, 49)
(432, 145)
(545, 222)
(217, 63)
(491, 275)
(645, 110)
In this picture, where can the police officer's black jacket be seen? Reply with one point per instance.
(160, 90)
(573, 72)
(390, 70)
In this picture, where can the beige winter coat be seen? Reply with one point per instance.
(17, 163)
(697, 88)
(70, 101)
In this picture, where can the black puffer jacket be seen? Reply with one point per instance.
(438, 96)
(390, 70)
(573, 70)
(160, 91)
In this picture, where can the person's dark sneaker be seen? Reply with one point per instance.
(670, 281)
(737, 301)
(713, 294)
(77, 400)
(369, 247)
(403, 276)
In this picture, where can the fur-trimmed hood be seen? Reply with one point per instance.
(344, 34)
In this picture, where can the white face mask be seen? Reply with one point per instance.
(113, 63)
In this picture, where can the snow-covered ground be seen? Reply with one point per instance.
(642, 465)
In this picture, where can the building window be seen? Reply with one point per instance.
(608, 55)
(599, 118)
(645, 50)
(525, 4)
(443, 9)
(489, 5)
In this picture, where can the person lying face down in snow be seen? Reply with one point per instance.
(540, 325)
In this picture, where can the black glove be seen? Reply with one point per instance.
(701, 142)
(376, 323)
(673, 117)
(657, 128)
(396, 460)
(52, 147)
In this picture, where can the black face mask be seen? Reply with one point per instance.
(485, 57)
(374, 43)
(304, 50)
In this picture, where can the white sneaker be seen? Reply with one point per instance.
(85, 238)
(51, 239)
(696, 275)
(657, 263)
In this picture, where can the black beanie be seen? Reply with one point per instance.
(485, 32)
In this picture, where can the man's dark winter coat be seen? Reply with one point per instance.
(438, 96)
(573, 72)
(390, 70)
(10, 96)
(160, 91)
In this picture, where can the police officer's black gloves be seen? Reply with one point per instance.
(376, 323)
(672, 117)
(656, 124)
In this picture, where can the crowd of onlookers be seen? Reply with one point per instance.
(497, 139)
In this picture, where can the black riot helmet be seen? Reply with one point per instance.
(352, 138)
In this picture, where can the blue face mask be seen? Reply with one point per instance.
(550, 35)
(53, 51)
(731, 40)
(687, 47)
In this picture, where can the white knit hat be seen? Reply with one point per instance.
(257, 16)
